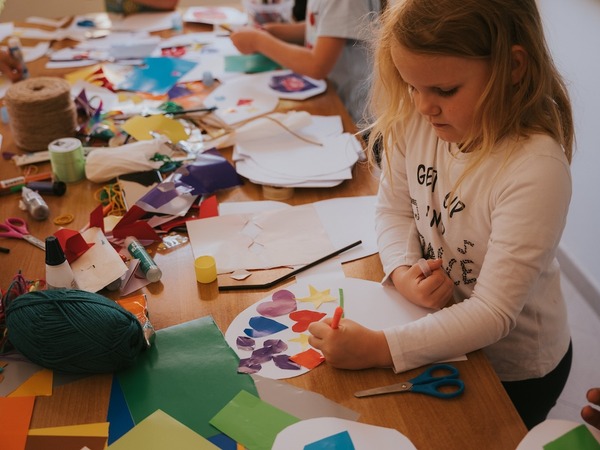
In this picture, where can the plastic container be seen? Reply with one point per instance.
(268, 11)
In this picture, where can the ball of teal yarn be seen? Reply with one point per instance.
(74, 331)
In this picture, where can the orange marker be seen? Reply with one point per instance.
(337, 315)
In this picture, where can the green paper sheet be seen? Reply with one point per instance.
(252, 422)
(254, 63)
(160, 431)
(579, 438)
(189, 372)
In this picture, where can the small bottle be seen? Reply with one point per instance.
(59, 274)
(34, 204)
(14, 47)
(147, 264)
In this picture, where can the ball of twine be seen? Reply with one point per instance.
(75, 331)
(40, 110)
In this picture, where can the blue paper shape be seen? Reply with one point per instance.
(263, 326)
(340, 441)
(157, 75)
(118, 416)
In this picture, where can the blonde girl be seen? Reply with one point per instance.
(478, 135)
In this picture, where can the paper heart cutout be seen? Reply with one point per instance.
(284, 302)
(304, 318)
(261, 327)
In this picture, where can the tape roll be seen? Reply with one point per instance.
(67, 160)
(277, 193)
(40, 110)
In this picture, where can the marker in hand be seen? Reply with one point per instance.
(424, 267)
(337, 315)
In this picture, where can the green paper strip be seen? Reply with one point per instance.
(579, 438)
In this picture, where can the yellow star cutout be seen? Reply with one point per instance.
(317, 297)
(302, 339)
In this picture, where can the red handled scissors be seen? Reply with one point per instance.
(16, 228)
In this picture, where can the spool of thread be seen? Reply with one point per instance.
(74, 331)
(40, 110)
(67, 160)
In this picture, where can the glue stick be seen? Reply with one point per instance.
(147, 264)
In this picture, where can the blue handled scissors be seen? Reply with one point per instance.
(425, 383)
(16, 228)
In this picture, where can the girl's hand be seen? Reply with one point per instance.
(434, 291)
(350, 346)
(246, 39)
(590, 414)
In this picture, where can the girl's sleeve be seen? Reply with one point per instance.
(397, 236)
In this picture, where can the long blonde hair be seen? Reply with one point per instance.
(539, 103)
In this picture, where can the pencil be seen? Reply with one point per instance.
(337, 315)
(270, 284)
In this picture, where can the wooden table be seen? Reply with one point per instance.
(483, 417)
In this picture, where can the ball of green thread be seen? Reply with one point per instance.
(74, 331)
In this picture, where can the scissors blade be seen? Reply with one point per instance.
(398, 387)
(35, 241)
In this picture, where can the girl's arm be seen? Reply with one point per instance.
(316, 62)
(288, 32)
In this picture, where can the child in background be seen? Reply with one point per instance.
(478, 134)
(135, 6)
(330, 43)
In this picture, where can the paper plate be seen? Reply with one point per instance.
(367, 302)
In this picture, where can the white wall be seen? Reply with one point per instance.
(573, 33)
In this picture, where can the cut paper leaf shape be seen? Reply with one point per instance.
(271, 347)
(285, 362)
(304, 318)
(284, 302)
(245, 343)
(263, 326)
(318, 297)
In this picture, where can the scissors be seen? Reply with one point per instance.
(16, 228)
(425, 383)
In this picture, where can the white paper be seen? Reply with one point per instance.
(291, 236)
(366, 302)
(548, 431)
(363, 436)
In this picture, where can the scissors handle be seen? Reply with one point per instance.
(17, 224)
(433, 388)
(434, 373)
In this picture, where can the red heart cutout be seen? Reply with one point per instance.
(304, 318)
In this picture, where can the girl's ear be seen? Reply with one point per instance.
(520, 59)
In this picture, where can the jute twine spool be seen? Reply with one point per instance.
(40, 110)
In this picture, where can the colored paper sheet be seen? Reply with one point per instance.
(156, 76)
(92, 436)
(339, 441)
(249, 63)
(38, 384)
(252, 422)
(140, 127)
(118, 416)
(16, 372)
(189, 372)
(578, 438)
(159, 431)
(15, 415)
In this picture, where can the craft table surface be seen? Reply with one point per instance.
(483, 417)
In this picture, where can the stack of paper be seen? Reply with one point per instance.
(317, 155)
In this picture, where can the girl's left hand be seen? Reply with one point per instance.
(246, 39)
(350, 346)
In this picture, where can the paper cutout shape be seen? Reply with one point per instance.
(91, 436)
(304, 318)
(317, 298)
(39, 384)
(269, 351)
(141, 127)
(284, 302)
(72, 243)
(262, 326)
(131, 225)
(309, 358)
(339, 441)
(252, 422)
(284, 362)
(579, 437)
(156, 76)
(15, 415)
(302, 339)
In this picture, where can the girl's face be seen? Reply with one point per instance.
(445, 89)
